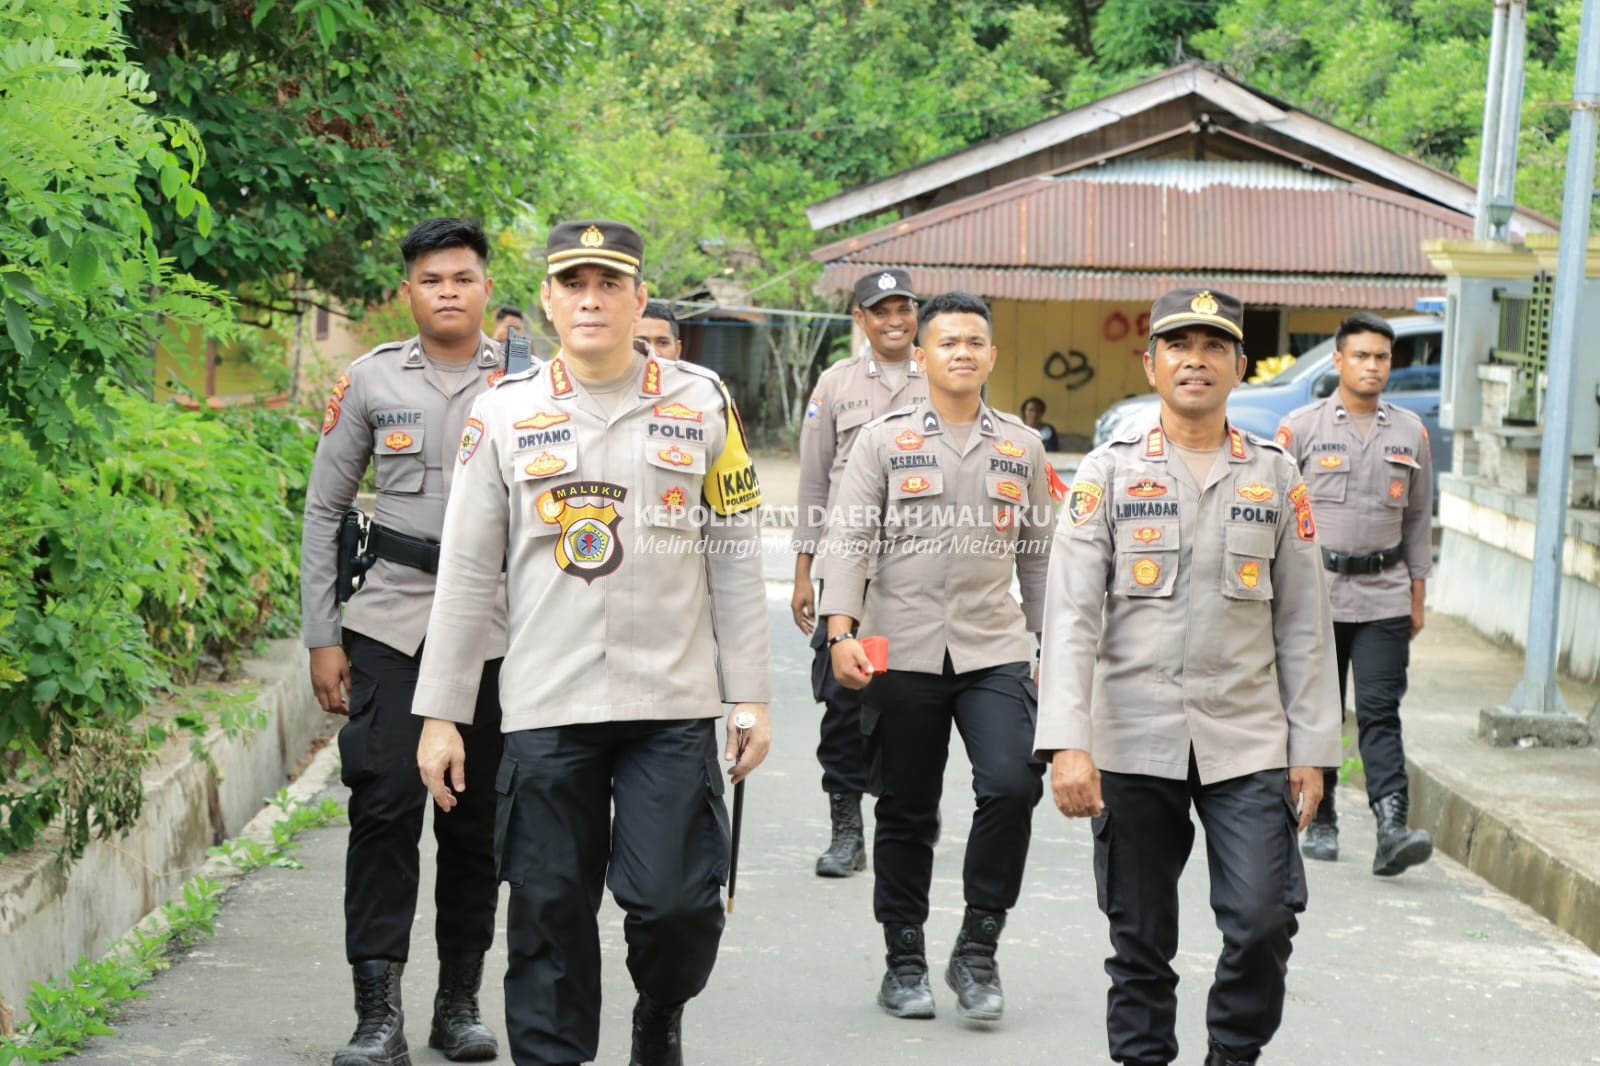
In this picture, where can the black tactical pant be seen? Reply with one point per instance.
(378, 757)
(907, 717)
(839, 747)
(1258, 885)
(663, 853)
(1380, 651)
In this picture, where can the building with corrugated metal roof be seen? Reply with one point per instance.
(1072, 226)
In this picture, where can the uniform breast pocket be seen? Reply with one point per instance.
(1005, 496)
(536, 472)
(1399, 470)
(400, 465)
(1247, 566)
(674, 473)
(914, 496)
(1146, 558)
(1328, 478)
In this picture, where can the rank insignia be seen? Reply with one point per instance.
(908, 440)
(1147, 534)
(1256, 493)
(1305, 527)
(1285, 435)
(1331, 462)
(330, 416)
(1083, 501)
(397, 440)
(915, 483)
(1146, 572)
(930, 423)
(1003, 517)
(1154, 443)
(652, 378)
(1236, 442)
(494, 377)
(541, 420)
(544, 464)
(340, 386)
(470, 436)
(676, 456)
(1250, 574)
(1009, 489)
(1397, 489)
(674, 498)
(1147, 487)
(678, 411)
(1011, 449)
(560, 380)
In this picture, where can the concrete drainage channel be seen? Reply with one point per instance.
(49, 918)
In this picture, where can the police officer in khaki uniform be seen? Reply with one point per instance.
(658, 328)
(849, 394)
(957, 497)
(618, 491)
(1370, 472)
(401, 407)
(1188, 661)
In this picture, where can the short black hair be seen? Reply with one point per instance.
(437, 234)
(1033, 399)
(1362, 322)
(658, 309)
(509, 311)
(952, 303)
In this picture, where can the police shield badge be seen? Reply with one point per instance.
(1083, 501)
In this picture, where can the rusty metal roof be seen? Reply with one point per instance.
(1167, 218)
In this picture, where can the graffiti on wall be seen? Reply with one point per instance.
(1072, 370)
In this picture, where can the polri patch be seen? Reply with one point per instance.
(1083, 501)
(330, 415)
(470, 436)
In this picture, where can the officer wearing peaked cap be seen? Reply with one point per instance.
(401, 408)
(1188, 662)
(849, 394)
(1370, 471)
(617, 489)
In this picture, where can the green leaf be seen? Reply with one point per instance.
(84, 267)
(171, 178)
(18, 283)
(263, 9)
(19, 329)
(327, 26)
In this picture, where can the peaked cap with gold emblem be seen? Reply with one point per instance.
(1197, 307)
(607, 244)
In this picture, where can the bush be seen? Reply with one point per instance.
(174, 548)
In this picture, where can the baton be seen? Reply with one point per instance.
(742, 723)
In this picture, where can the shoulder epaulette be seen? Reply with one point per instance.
(696, 368)
(527, 374)
(1015, 420)
(1265, 442)
(898, 412)
(390, 346)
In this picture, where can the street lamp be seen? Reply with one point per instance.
(1500, 216)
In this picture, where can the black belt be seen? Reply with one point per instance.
(1340, 563)
(403, 549)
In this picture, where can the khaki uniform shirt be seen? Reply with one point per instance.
(849, 394)
(632, 553)
(1369, 496)
(390, 408)
(1182, 615)
(949, 525)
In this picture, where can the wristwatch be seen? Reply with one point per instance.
(841, 638)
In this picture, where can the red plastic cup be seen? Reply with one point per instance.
(877, 649)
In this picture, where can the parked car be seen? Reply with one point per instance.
(1413, 384)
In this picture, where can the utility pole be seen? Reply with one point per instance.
(1505, 166)
(1492, 95)
(1537, 710)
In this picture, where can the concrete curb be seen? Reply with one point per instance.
(49, 918)
(1504, 853)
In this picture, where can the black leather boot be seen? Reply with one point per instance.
(458, 1028)
(847, 852)
(1398, 847)
(1322, 835)
(1224, 1056)
(380, 1036)
(973, 975)
(657, 1033)
(905, 992)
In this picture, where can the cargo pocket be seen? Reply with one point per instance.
(1146, 558)
(719, 839)
(1328, 484)
(399, 465)
(1247, 567)
(914, 496)
(1397, 486)
(1100, 825)
(534, 471)
(359, 750)
(505, 787)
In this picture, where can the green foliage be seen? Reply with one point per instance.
(332, 125)
(83, 282)
(249, 854)
(173, 549)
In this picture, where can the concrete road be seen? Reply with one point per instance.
(1431, 969)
